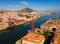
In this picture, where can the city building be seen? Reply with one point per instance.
(50, 24)
(32, 38)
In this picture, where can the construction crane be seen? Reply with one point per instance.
(32, 29)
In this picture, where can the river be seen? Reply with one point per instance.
(14, 35)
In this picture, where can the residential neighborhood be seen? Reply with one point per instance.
(12, 18)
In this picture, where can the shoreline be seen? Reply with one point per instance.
(8, 29)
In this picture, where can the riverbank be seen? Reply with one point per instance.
(8, 29)
(11, 28)
(20, 25)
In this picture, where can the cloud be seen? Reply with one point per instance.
(9, 5)
(24, 2)
(17, 6)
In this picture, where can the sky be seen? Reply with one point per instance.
(40, 5)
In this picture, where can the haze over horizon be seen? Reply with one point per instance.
(40, 5)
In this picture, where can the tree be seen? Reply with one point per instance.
(55, 18)
(27, 16)
(0, 20)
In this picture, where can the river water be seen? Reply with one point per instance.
(14, 35)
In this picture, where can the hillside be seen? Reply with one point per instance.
(27, 10)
